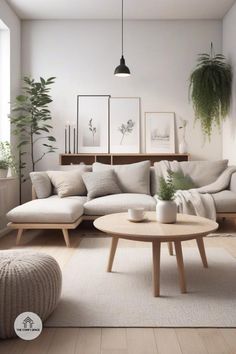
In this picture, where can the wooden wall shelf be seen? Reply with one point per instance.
(118, 159)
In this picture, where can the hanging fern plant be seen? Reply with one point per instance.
(210, 90)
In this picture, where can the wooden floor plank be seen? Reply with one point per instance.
(114, 338)
(214, 341)
(114, 351)
(141, 340)
(167, 341)
(12, 346)
(190, 341)
(229, 335)
(41, 344)
(89, 341)
(64, 341)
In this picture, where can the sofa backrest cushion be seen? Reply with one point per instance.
(68, 183)
(42, 184)
(76, 167)
(132, 178)
(202, 173)
(101, 183)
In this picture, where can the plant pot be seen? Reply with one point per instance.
(166, 211)
(3, 173)
(183, 147)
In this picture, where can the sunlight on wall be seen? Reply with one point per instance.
(4, 82)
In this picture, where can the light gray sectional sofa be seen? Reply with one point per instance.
(61, 201)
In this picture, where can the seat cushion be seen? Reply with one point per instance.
(118, 203)
(132, 178)
(48, 210)
(225, 201)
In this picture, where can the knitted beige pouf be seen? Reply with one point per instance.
(28, 282)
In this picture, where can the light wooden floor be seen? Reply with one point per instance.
(118, 340)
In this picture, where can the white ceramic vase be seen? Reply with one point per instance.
(3, 173)
(183, 147)
(166, 211)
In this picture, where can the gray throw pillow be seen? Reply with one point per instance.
(132, 178)
(42, 184)
(101, 183)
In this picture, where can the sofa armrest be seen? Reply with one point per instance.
(232, 185)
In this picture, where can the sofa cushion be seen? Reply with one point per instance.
(225, 201)
(42, 184)
(48, 210)
(101, 183)
(68, 183)
(132, 178)
(202, 173)
(118, 203)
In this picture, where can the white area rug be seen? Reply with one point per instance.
(91, 297)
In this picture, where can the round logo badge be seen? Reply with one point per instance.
(28, 325)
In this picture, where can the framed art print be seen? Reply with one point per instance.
(160, 132)
(93, 123)
(124, 124)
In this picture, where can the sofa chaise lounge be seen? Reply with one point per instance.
(138, 184)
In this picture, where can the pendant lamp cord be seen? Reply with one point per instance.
(122, 27)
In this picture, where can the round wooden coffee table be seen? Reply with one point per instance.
(187, 227)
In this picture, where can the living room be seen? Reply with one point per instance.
(117, 176)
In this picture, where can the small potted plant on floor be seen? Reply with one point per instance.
(6, 159)
(166, 208)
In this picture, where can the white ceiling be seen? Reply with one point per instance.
(110, 9)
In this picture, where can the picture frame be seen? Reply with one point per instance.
(160, 132)
(93, 123)
(125, 124)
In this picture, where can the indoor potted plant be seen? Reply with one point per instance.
(211, 90)
(166, 208)
(31, 122)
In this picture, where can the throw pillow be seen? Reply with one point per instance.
(132, 178)
(101, 183)
(68, 183)
(42, 184)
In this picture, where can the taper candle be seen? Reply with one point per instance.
(65, 140)
(74, 140)
(69, 151)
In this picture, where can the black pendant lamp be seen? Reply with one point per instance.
(122, 70)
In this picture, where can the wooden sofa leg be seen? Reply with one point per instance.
(18, 237)
(170, 248)
(66, 237)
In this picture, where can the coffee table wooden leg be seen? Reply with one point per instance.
(156, 256)
(202, 252)
(180, 263)
(170, 248)
(114, 243)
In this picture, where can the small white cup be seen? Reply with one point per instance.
(136, 214)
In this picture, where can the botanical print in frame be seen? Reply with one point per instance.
(92, 123)
(160, 132)
(125, 125)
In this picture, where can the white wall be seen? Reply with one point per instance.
(83, 55)
(10, 190)
(4, 82)
(229, 49)
(13, 23)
